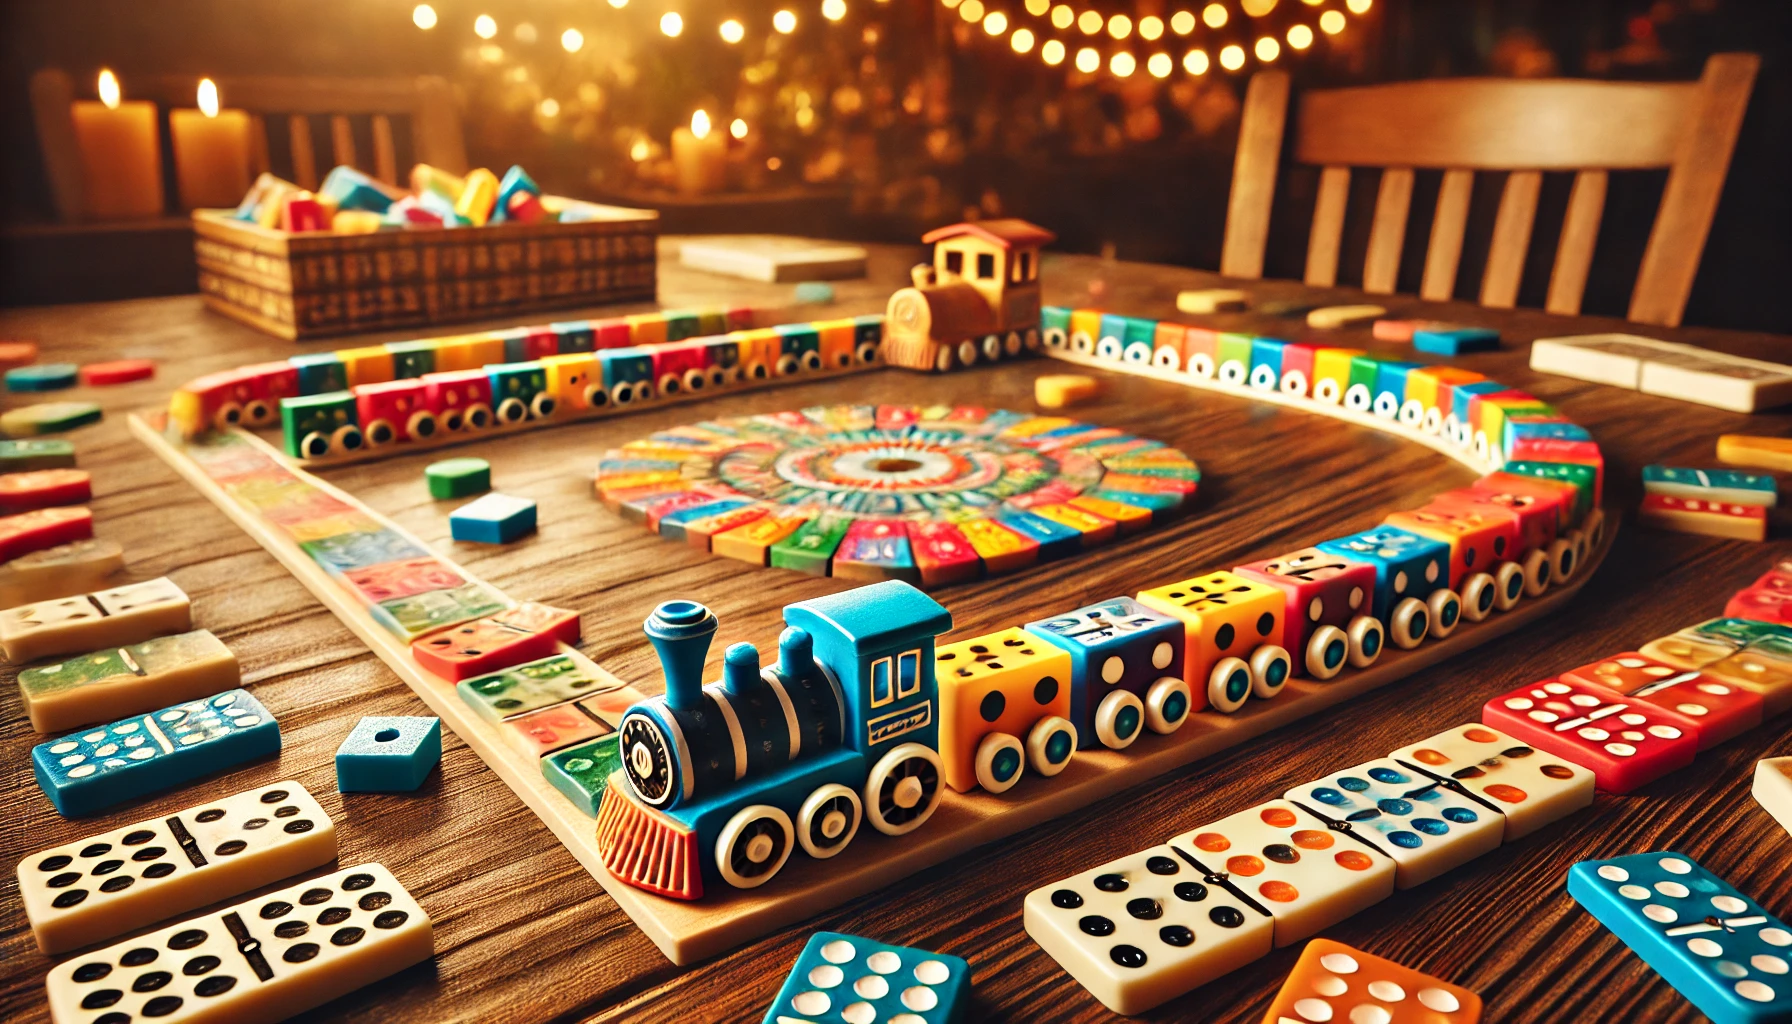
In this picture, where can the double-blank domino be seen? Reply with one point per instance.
(1773, 789)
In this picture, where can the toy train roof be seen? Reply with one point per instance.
(878, 616)
(1006, 232)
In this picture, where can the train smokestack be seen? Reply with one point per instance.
(680, 632)
(796, 654)
(740, 669)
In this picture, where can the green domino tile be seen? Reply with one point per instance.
(20, 456)
(458, 478)
(48, 418)
(411, 617)
(581, 772)
(1580, 477)
(812, 546)
(526, 687)
(42, 377)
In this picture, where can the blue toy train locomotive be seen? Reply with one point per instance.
(724, 780)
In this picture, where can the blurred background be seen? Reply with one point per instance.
(1113, 122)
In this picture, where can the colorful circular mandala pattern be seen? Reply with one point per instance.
(926, 494)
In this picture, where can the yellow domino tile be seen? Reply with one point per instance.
(372, 365)
(1096, 529)
(752, 542)
(1085, 323)
(607, 486)
(1333, 364)
(1129, 518)
(469, 352)
(1036, 425)
(1001, 549)
(1761, 452)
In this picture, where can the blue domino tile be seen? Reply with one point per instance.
(89, 771)
(1719, 948)
(842, 979)
(1055, 540)
(495, 518)
(673, 524)
(388, 754)
(1746, 488)
(1452, 340)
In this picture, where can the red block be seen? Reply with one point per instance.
(302, 212)
(1623, 741)
(558, 623)
(389, 581)
(1322, 589)
(1763, 604)
(943, 553)
(480, 647)
(43, 488)
(44, 528)
(119, 371)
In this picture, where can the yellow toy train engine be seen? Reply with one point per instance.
(979, 299)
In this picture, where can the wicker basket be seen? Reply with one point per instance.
(298, 286)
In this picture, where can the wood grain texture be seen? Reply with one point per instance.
(1254, 174)
(1574, 250)
(1511, 239)
(1327, 235)
(523, 934)
(1448, 226)
(1387, 233)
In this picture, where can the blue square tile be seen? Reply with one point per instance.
(840, 979)
(493, 519)
(388, 755)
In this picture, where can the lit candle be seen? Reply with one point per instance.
(699, 155)
(211, 151)
(121, 155)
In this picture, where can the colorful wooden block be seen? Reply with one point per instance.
(943, 554)
(388, 754)
(256, 962)
(1407, 565)
(1226, 619)
(1054, 539)
(1719, 948)
(104, 885)
(458, 478)
(752, 541)
(810, 548)
(1625, 742)
(122, 615)
(1307, 876)
(1322, 590)
(1479, 540)
(1333, 982)
(525, 633)
(1706, 518)
(1063, 390)
(127, 680)
(61, 571)
(1528, 786)
(1764, 666)
(1444, 339)
(876, 549)
(17, 353)
(1765, 603)
(1721, 485)
(21, 456)
(48, 418)
(582, 773)
(497, 518)
(1001, 548)
(42, 377)
(357, 549)
(1093, 529)
(846, 978)
(410, 617)
(1773, 453)
(1423, 826)
(1004, 704)
(1773, 789)
(43, 488)
(88, 772)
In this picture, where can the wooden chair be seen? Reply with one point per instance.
(1524, 127)
(283, 105)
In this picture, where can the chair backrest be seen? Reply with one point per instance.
(1521, 127)
(277, 105)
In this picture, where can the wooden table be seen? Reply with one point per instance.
(523, 934)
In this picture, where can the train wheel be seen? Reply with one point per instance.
(1263, 378)
(596, 397)
(1081, 343)
(695, 380)
(1294, 383)
(1109, 349)
(1483, 450)
(903, 789)
(1234, 372)
(314, 445)
(644, 391)
(1385, 406)
(454, 420)
(1562, 559)
(1326, 390)
(1000, 762)
(828, 820)
(1326, 650)
(1453, 429)
(1408, 623)
(228, 415)
(1030, 340)
(347, 438)
(759, 371)
(1579, 539)
(1056, 337)
(1446, 611)
(1479, 592)
(1139, 353)
(1412, 413)
(753, 846)
(1051, 743)
(512, 410)
(867, 353)
(622, 393)
(1117, 719)
(1536, 572)
(1167, 358)
(967, 353)
(992, 348)
(543, 405)
(1367, 637)
(943, 358)
(1508, 585)
(421, 426)
(1228, 685)
(670, 384)
(1167, 704)
(787, 365)
(258, 411)
(1433, 423)
(1201, 365)
(719, 376)
(1270, 669)
(811, 360)
(1358, 398)
(843, 360)
(381, 432)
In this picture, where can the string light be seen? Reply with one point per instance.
(1182, 23)
(833, 10)
(1122, 64)
(1087, 60)
(971, 11)
(1214, 15)
(1089, 22)
(639, 151)
(1052, 52)
(1268, 49)
(1062, 16)
(995, 23)
(784, 22)
(1151, 27)
(550, 107)
(671, 23)
(1300, 37)
(1256, 8)
(572, 40)
(1119, 26)
(733, 31)
(737, 128)
(1037, 8)
(423, 16)
(1195, 62)
(620, 4)
(1331, 22)
(1232, 57)
(1358, 6)
(1021, 40)
(485, 26)
(1160, 65)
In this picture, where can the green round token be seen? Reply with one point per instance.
(457, 478)
(42, 377)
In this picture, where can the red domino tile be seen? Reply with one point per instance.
(17, 353)
(44, 528)
(44, 488)
(120, 371)
(1717, 710)
(943, 553)
(1625, 742)
(480, 647)
(558, 623)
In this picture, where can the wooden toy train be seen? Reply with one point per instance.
(863, 717)
(978, 299)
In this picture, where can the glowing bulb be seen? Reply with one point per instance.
(1021, 40)
(784, 21)
(1195, 62)
(423, 16)
(971, 11)
(737, 128)
(1037, 8)
(1300, 37)
(1087, 60)
(700, 124)
(671, 23)
(619, 5)
(1268, 49)
(1122, 64)
(1089, 22)
(550, 107)
(1358, 6)
(1160, 65)
(1182, 23)
(1151, 27)
(109, 93)
(208, 98)
(525, 34)
(1052, 52)
(1232, 57)
(1062, 16)
(1256, 8)
(833, 10)
(1119, 26)
(571, 40)
(1214, 15)
(995, 23)
(639, 151)
(485, 26)
(1331, 22)
(733, 31)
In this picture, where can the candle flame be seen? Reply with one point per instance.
(109, 94)
(700, 124)
(208, 97)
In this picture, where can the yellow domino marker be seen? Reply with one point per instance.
(1062, 390)
(1211, 300)
(1130, 518)
(1328, 317)
(1000, 548)
(1761, 452)
(752, 542)
(1096, 529)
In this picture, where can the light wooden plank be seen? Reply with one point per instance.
(1327, 234)
(1254, 175)
(1574, 252)
(304, 157)
(1444, 255)
(53, 112)
(1387, 234)
(385, 154)
(258, 145)
(1511, 239)
(342, 142)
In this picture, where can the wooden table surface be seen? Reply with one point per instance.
(524, 934)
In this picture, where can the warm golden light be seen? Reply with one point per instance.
(485, 26)
(1195, 62)
(1151, 27)
(1358, 6)
(1087, 60)
(423, 16)
(550, 107)
(1021, 40)
(109, 92)
(671, 23)
(833, 10)
(995, 23)
(1089, 22)
(572, 40)
(208, 97)
(950, 4)
(619, 5)
(971, 11)
(1037, 8)
(1268, 49)
(1119, 26)
(639, 151)
(1214, 15)
(733, 31)
(1052, 52)
(700, 124)
(1160, 65)
(1300, 37)
(1256, 8)
(1232, 57)
(1331, 22)
(1182, 23)
(784, 21)
(1063, 16)
(737, 128)
(1122, 64)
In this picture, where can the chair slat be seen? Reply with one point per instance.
(304, 158)
(342, 141)
(1574, 253)
(1511, 239)
(1254, 175)
(1444, 255)
(1387, 234)
(385, 154)
(258, 145)
(1328, 227)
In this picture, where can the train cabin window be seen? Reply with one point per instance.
(880, 683)
(1026, 271)
(986, 265)
(954, 262)
(908, 673)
